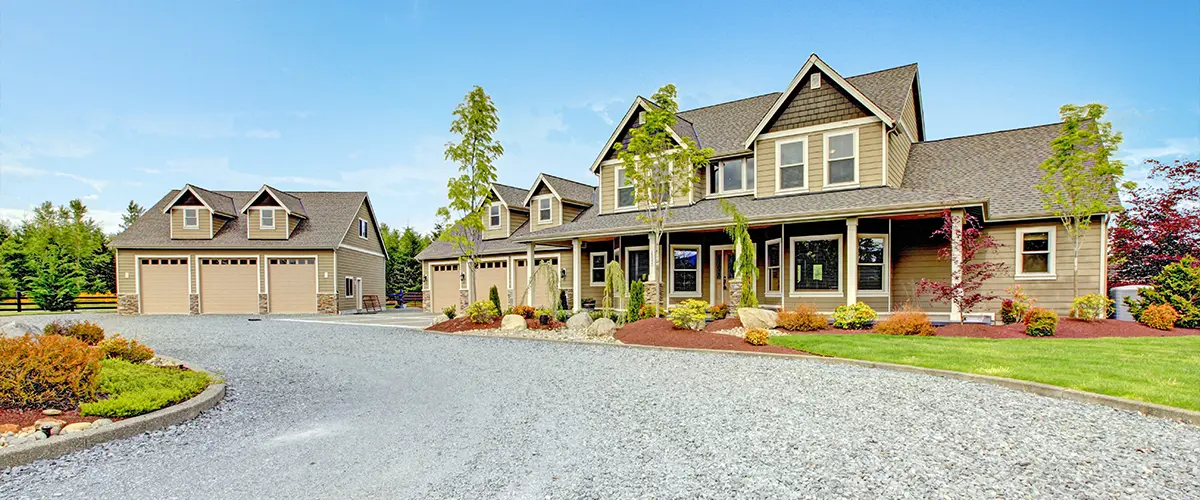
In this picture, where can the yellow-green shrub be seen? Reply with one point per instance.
(47, 371)
(119, 347)
(483, 311)
(804, 318)
(756, 336)
(1160, 316)
(854, 317)
(907, 321)
(133, 389)
(1091, 307)
(690, 314)
(1040, 322)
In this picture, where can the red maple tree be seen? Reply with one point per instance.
(971, 274)
(1161, 225)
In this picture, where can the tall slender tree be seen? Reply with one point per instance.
(658, 162)
(1080, 179)
(745, 264)
(475, 122)
(132, 212)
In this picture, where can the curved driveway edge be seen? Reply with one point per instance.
(155, 420)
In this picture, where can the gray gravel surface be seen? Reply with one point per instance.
(336, 411)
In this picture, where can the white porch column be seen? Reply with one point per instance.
(577, 256)
(530, 267)
(956, 263)
(851, 260)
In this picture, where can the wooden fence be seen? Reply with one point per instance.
(23, 303)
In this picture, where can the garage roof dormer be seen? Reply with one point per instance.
(290, 203)
(216, 203)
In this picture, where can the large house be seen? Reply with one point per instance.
(250, 252)
(841, 186)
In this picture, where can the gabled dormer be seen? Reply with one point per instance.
(553, 201)
(272, 214)
(198, 214)
(615, 193)
(503, 211)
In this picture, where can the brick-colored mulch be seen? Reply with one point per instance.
(661, 332)
(23, 418)
(464, 324)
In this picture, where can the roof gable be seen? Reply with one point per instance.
(682, 127)
(510, 196)
(564, 189)
(218, 203)
(289, 202)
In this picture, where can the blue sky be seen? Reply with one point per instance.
(125, 101)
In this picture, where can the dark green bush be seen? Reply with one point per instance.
(637, 298)
(1178, 285)
(494, 296)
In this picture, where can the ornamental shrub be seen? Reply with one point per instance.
(86, 331)
(47, 371)
(907, 321)
(494, 296)
(757, 336)
(118, 347)
(1040, 322)
(483, 311)
(1178, 285)
(855, 317)
(563, 316)
(1091, 307)
(690, 314)
(523, 311)
(1160, 317)
(58, 327)
(637, 298)
(804, 318)
(648, 311)
(1008, 312)
(719, 311)
(449, 311)
(134, 389)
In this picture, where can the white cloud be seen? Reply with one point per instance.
(601, 109)
(96, 184)
(258, 133)
(19, 171)
(67, 146)
(14, 215)
(89, 197)
(1170, 148)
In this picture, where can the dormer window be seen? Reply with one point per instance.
(731, 176)
(266, 219)
(544, 213)
(494, 216)
(191, 218)
(641, 117)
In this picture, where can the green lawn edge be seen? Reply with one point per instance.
(1162, 370)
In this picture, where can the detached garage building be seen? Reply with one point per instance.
(250, 252)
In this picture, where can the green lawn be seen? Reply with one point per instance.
(1163, 370)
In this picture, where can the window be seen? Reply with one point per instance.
(624, 190)
(731, 176)
(362, 228)
(841, 158)
(191, 218)
(817, 264)
(872, 263)
(544, 214)
(1035, 252)
(349, 287)
(685, 270)
(266, 219)
(790, 158)
(773, 260)
(599, 260)
(494, 216)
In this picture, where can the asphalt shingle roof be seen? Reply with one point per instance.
(888, 88)
(220, 203)
(724, 127)
(511, 195)
(289, 201)
(444, 249)
(329, 217)
(570, 190)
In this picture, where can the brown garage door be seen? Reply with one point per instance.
(163, 286)
(293, 285)
(489, 274)
(445, 285)
(229, 286)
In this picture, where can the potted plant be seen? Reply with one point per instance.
(589, 304)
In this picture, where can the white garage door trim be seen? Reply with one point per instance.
(200, 286)
(266, 285)
(137, 274)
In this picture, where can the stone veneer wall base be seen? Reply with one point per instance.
(127, 304)
(193, 304)
(327, 303)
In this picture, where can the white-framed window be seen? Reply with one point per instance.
(191, 218)
(1035, 252)
(494, 216)
(349, 287)
(362, 228)
(791, 163)
(685, 270)
(624, 189)
(731, 176)
(598, 261)
(544, 212)
(816, 265)
(266, 218)
(841, 158)
(873, 256)
(773, 258)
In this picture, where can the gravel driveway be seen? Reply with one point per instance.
(329, 411)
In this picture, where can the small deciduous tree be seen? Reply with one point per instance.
(1161, 225)
(966, 281)
(1080, 179)
(658, 162)
(745, 265)
(475, 122)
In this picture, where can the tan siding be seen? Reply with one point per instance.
(809, 106)
(1055, 294)
(816, 162)
(898, 148)
(178, 232)
(570, 212)
(764, 167)
(870, 155)
(908, 116)
(517, 218)
(218, 223)
(373, 241)
(607, 192)
(555, 213)
(359, 265)
(914, 256)
(870, 159)
(500, 232)
(280, 232)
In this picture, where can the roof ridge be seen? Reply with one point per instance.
(566, 179)
(990, 133)
(882, 70)
(509, 186)
(728, 102)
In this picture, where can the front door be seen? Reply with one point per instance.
(638, 268)
(723, 259)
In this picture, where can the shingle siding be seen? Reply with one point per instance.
(809, 106)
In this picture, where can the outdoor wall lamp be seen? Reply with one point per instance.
(462, 278)
(562, 274)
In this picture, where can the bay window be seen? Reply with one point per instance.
(841, 158)
(1035, 252)
(790, 164)
(872, 264)
(731, 176)
(817, 265)
(685, 270)
(773, 259)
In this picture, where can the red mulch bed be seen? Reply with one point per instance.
(723, 324)
(23, 418)
(661, 332)
(464, 324)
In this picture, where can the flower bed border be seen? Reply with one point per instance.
(159, 419)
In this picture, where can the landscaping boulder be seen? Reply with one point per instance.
(17, 329)
(602, 327)
(75, 427)
(513, 323)
(757, 318)
(441, 318)
(580, 321)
